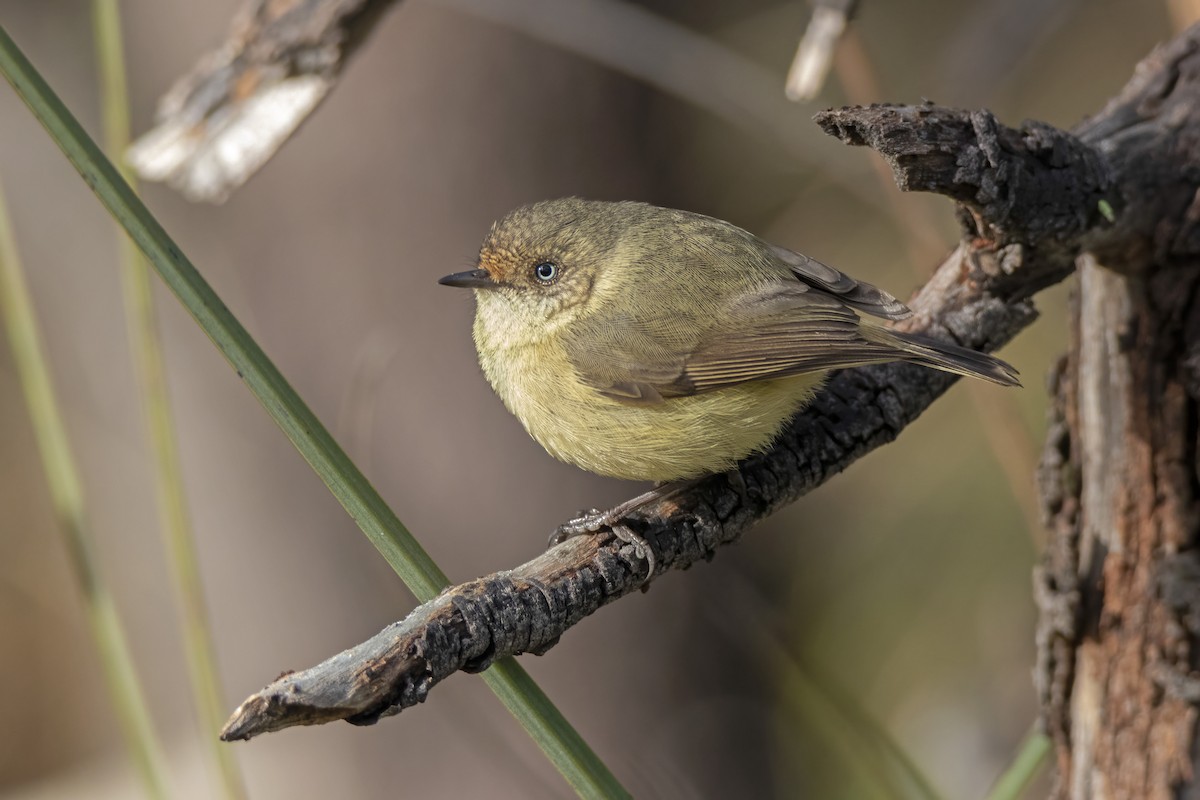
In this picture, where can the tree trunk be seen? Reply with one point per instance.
(1119, 587)
(1119, 590)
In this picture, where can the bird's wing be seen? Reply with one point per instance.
(794, 328)
(854, 293)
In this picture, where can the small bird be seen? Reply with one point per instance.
(653, 344)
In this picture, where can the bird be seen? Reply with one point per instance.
(655, 344)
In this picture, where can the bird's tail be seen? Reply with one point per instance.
(944, 356)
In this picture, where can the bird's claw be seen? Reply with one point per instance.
(592, 521)
(589, 520)
(641, 548)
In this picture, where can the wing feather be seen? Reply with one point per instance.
(790, 330)
(854, 293)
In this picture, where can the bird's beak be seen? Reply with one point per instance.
(471, 279)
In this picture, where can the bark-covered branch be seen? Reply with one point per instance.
(1031, 199)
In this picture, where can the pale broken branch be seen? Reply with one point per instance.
(225, 119)
(814, 54)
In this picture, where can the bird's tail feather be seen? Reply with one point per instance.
(944, 356)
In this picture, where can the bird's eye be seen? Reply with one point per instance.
(546, 271)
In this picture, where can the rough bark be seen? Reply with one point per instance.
(1118, 589)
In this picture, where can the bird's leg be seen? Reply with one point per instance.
(593, 520)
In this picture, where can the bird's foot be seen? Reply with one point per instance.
(586, 521)
(592, 521)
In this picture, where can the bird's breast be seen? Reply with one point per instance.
(681, 437)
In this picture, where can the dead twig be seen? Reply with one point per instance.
(226, 118)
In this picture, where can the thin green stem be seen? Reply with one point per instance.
(66, 493)
(561, 743)
(1031, 758)
(542, 721)
(148, 360)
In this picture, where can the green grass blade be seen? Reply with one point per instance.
(262, 378)
(148, 361)
(553, 733)
(66, 493)
(410, 561)
(1031, 758)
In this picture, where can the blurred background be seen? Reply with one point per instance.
(903, 585)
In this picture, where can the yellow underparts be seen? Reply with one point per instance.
(679, 438)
